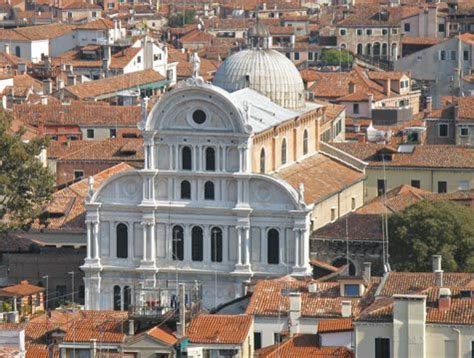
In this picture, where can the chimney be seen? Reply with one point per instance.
(367, 273)
(346, 309)
(21, 69)
(352, 87)
(361, 138)
(429, 104)
(44, 100)
(60, 84)
(131, 327)
(47, 87)
(6, 48)
(437, 270)
(93, 348)
(71, 80)
(444, 300)
(387, 87)
(181, 325)
(295, 312)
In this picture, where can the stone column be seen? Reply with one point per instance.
(246, 232)
(239, 245)
(297, 247)
(152, 242)
(96, 239)
(224, 158)
(144, 232)
(89, 239)
(187, 243)
(207, 246)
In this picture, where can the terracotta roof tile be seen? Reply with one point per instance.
(22, 289)
(219, 329)
(335, 325)
(162, 335)
(466, 108)
(40, 32)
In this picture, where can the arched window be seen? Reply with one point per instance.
(262, 161)
(185, 190)
(186, 158)
(273, 246)
(178, 243)
(117, 298)
(127, 297)
(283, 151)
(209, 190)
(17, 51)
(196, 244)
(210, 159)
(305, 142)
(216, 244)
(360, 49)
(122, 241)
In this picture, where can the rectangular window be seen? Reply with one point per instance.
(333, 214)
(384, 31)
(355, 108)
(90, 134)
(368, 32)
(297, 56)
(382, 347)
(343, 32)
(406, 27)
(353, 203)
(277, 338)
(94, 14)
(453, 55)
(464, 185)
(381, 186)
(442, 130)
(464, 131)
(465, 55)
(310, 56)
(415, 184)
(257, 340)
(113, 133)
(351, 290)
(69, 14)
(394, 31)
(442, 55)
(360, 32)
(78, 174)
(440, 27)
(139, 59)
(442, 187)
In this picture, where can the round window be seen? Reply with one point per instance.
(199, 116)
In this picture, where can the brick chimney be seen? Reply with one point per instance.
(444, 300)
(387, 87)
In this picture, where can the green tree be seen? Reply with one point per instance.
(25, 184)
(176, 20)
(430, 228)
(336, 57)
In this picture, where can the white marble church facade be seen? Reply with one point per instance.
(196, 211)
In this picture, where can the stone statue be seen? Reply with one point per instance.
(90, 189)
(196, 61)
(247, 108)
(144, 106)
(301, 194)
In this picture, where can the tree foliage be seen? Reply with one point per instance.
(25, 184)
(336, 57)
(430, 228)
(176, 20)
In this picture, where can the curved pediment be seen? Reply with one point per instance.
(124, 188)
(269, 193)
(196, 108)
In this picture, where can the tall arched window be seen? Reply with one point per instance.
(283, 151)
(209, 190)
(273, 246)
(196, 244)
(186, 158)
(210, 159)
(117, 298)
(185, 190)
(216, 244)
(127, 297)
(305, 142)
(360, 49)
(122, 241)
(262, 161)
(178, 243)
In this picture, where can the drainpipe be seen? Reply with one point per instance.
(458, 342)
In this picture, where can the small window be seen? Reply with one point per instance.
(360, 32)
(453, 56)
(117, 298)
(305, 142)
(465, 55)
(464, 185)
(277, 337)
(415, 183)
(69, 14)
(113, 133)
(78, 174)
(257, 340)
(384, 31)
(381, 186)
(310, 56)
(209, 190)
(210, 159)
(351, 290)
(355, 108)
(90, 134)
(94, 14)
(394, 31)
(406, 27)
(353, 203)
(297, 56)
(343, 32)
(333, 214)
(262, 160)
(464, 131)
(441, 27)
(139, 59)
(382, 347)
(368, 32)
(442, 55)
(186, 160)
(199, 116)
(442, 130)
(185, 189)
(283, 151)
(442, 187)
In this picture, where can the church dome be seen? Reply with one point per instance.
(263, 70)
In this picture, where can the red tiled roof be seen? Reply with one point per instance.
(40, 32)
(196, 36)
(219, 329)
(303, 345)
(162, 335)
(335, 325)
(22, 289)
(466, 108)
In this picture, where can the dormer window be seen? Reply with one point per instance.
(351, 290)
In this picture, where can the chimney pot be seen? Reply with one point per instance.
(131, 327)
(367, 274)
(436, 260)
(346, 308)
